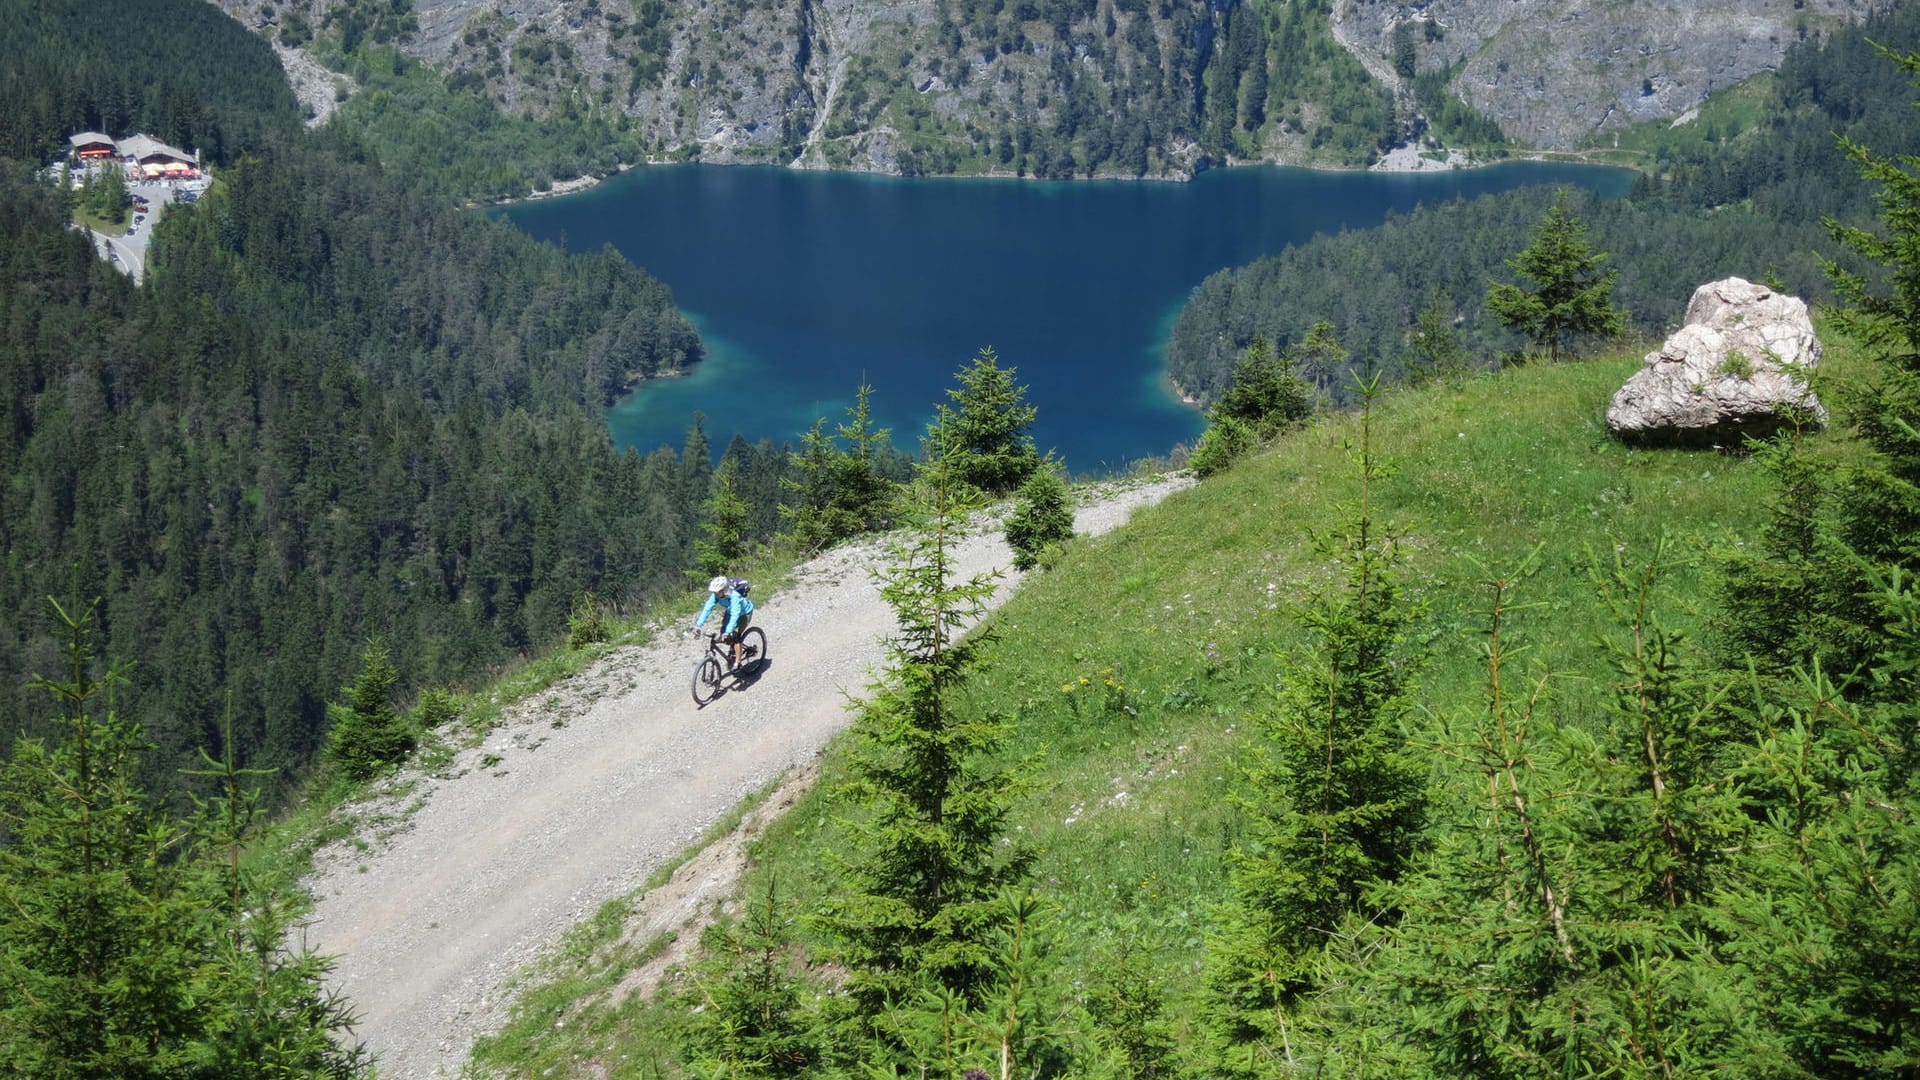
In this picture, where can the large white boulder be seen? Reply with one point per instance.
(1736, 368)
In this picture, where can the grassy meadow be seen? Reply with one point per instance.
(1133, 670)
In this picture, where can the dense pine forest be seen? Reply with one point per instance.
(179, 72)
(1711, 204)
(339, 410)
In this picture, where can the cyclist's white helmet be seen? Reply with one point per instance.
(717, 585)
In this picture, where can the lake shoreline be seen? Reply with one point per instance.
(807, 285)
(1401, 159)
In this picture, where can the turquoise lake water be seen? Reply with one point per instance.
(805, 284)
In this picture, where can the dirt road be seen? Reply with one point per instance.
(581, 795)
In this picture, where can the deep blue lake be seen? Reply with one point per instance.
(805, 284)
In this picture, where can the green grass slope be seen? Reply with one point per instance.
(1135, 665)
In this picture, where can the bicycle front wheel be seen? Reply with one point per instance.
(706, 681)
(753, 649)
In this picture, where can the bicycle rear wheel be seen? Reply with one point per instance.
(753, 649)
(706, 681)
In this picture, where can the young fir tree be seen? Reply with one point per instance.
(1126, 999)
(99, 951)
(928, 831)
(1042, 521)
(1558, 928)
(843, 490)
(1433, 346)
(1017, 1023)
(861, 487)
(1266, 396)
(1824, 911)
(1822, 916)
(1571, 296)
(133, 947)
(728, 520)
(271, 1014)
(1880, 505)
(812, 520)
(987, 424)
(748, 1016)
(1787, 601)
(1335, 802)
(367, 734)
(1671, 817)
(1225, 441)
(1265, 393)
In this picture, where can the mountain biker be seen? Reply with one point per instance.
(739, 612)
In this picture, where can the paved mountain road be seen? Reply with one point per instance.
(583, 793)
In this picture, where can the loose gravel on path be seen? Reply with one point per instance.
(584, 792)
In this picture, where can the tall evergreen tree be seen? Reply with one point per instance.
(696, 464)
(932, 853)
(1824, 916)
(1571, 296)
(1881, 506)
(272, 1015)
(862, 488)
(1433, 345)
(810, 516)
(1320, 356)
(728, 521)
(987, 423)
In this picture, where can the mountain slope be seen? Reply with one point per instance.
(582, 796)
(1139, 666)
(1056, 88)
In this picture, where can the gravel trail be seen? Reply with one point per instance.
(461, 879)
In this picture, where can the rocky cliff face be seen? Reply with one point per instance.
(1071, 87)
(1554, 72)
(896, 86)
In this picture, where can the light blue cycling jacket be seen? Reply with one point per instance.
(737, 606)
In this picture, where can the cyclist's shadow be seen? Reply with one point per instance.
(743, 677)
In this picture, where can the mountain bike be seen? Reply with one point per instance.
(717, 666)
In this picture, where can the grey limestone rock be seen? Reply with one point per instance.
(1562, 73)
(1735, 368)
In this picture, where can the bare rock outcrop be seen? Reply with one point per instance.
(1557, 73)
(1736, 367)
